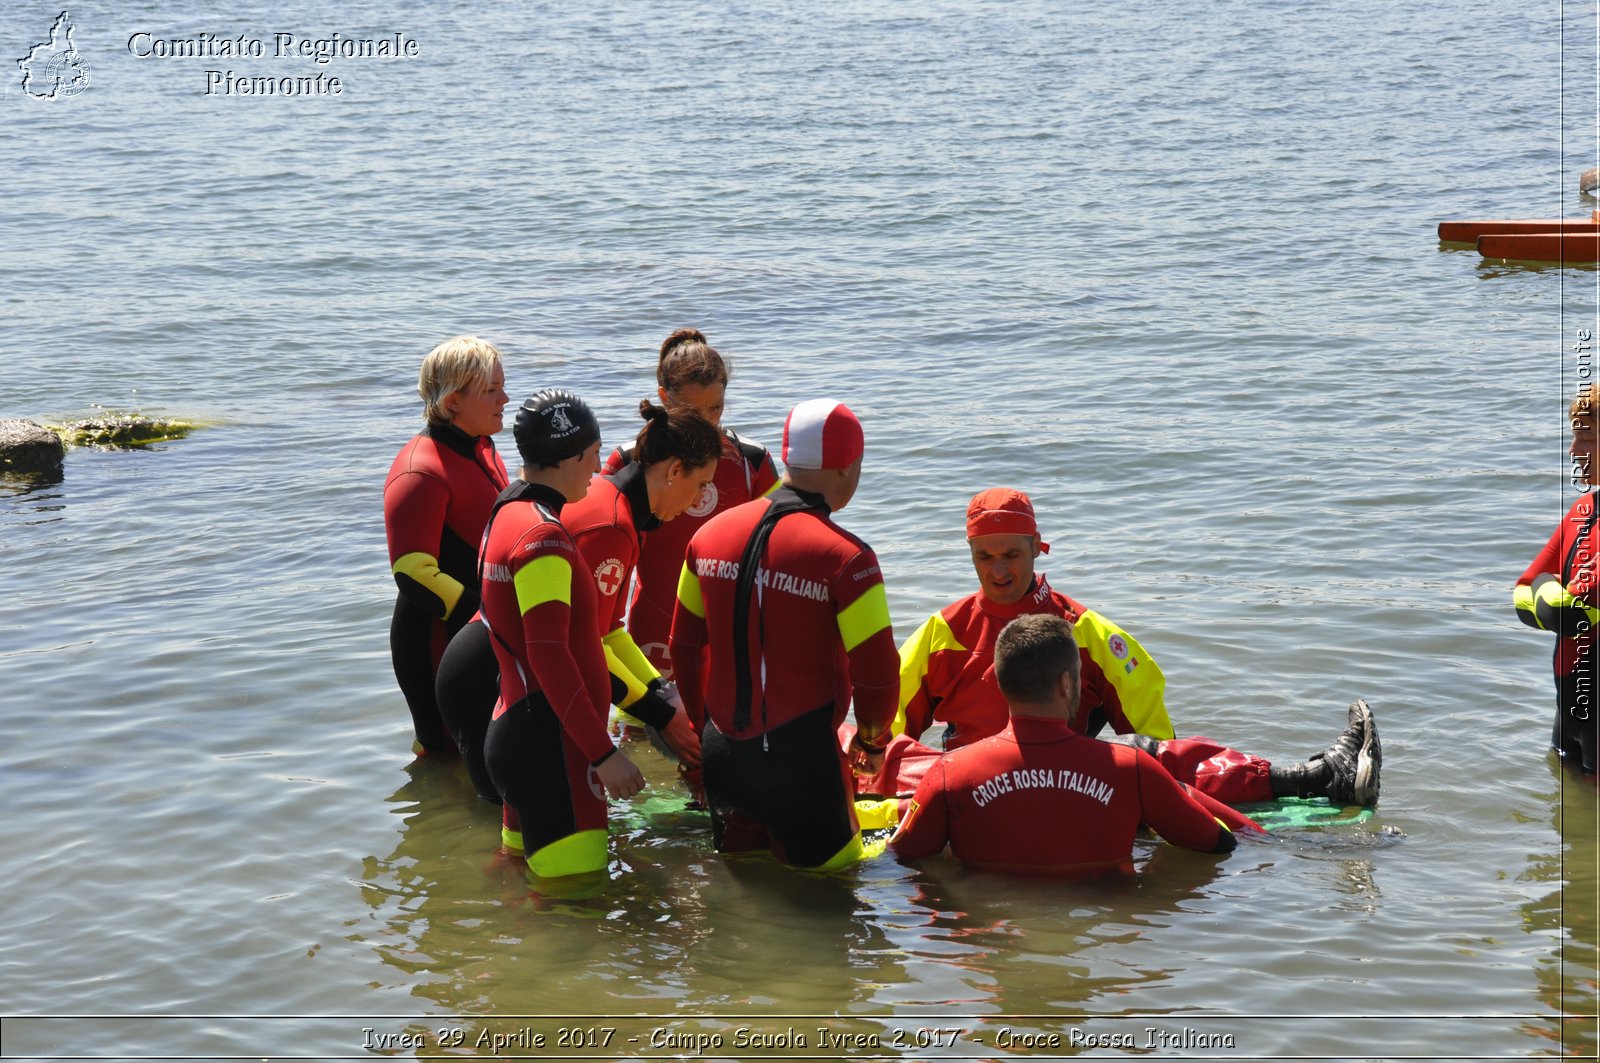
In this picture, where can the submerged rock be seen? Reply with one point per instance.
(27, 447)
(122, 430)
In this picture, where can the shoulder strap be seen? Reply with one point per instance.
(517, 491)
(785, 501)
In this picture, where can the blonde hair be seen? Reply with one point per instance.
(453, 365)
(1586, 404)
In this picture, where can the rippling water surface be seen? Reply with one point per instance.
(1171, 268)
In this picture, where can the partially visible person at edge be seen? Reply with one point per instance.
(1039, 796)
(1557, 593)
(548, 749)
(690, 375)
(768, 666)
(947, 676)
(674, 459)
(435, 503)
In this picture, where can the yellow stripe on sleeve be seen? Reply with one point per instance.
(628, 654)
(425, 570)
(864, 617)
(544, 579)
(915, 653)
(1137, 678)
(689, 592)
(617, 665)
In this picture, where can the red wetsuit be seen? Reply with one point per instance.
(947, 676)
(745, 472)
(549, 728)
(436, 501)
(817, 634)
(610, 526)
(1040, 797)
(1569, 555)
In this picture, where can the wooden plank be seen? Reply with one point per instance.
(1568, 247)
(1467, 232)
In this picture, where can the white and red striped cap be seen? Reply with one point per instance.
(822, 434)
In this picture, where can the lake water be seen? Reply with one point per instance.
(1171, 268)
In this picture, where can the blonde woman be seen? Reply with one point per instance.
(436, 502)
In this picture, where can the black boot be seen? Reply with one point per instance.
(1346, 772)
(1306, 779)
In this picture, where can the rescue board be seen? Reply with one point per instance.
(1300, 813)
(1467, 232)
(1568, 246)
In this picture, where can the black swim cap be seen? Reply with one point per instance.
(553, 426)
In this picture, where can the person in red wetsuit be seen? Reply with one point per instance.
(1558, 593)
(548, 749)
(690, 375)
(1039, 796)
(946, 676)
(435, 503)
(675, 458)
(781, 620)
(680, 451)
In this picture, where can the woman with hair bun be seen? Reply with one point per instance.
(690, 375)
(436, 501)
(674, 460)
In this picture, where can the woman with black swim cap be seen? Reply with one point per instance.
(548, 750)
(674, 459)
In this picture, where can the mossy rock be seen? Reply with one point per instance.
(122, 430)
(28, 447)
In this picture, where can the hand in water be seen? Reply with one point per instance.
(620, 776)
(680, 736)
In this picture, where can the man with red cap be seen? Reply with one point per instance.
(947, 676)
(781, 621)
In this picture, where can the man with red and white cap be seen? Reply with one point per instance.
(782, 621)
(947, 676)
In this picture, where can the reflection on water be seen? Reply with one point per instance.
(22, 484)
(680, 931)
(1569, 978)
(687, 946)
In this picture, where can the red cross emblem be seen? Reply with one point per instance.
(608, 577)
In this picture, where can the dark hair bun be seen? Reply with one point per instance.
(681, 337)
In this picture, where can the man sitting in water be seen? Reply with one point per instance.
(947, 676)
(1039, 796)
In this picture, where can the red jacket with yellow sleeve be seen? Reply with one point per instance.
(818, 631)
(541, 607)
(947, 671)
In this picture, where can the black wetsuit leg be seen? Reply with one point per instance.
(466, 690)
(1576, 734)
(411, 648)
(524, 753)
(790, 779)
